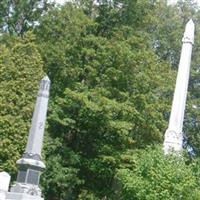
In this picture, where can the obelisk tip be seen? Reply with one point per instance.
(189, 32)
(190, 24)
(191, 21)
(189, 28)
(46, 78)
(45, 84)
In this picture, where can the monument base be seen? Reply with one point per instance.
(21, 196)
(173, 141)
(2, 195)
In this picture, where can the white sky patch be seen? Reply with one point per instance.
(60, 1)
(194, 106)
(172, 2)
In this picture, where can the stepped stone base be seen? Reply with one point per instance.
(21, 196)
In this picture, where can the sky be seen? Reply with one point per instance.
(60, 1)
(174, 1)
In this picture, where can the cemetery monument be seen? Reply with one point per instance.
(31, 165)
(174, 135)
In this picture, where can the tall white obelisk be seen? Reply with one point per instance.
(31, 164)
(174, 136)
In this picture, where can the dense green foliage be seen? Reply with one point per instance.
(150, 175)
(20, 71)
(113, 68)
(16, 17)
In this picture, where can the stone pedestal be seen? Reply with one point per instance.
(2, 195)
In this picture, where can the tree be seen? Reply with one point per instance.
(16, 17)
(108, 94)
(20, 71)
(150, 175)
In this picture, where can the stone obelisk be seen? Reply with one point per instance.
(174, 136)
(31, 164)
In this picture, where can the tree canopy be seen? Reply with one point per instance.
(20, 72)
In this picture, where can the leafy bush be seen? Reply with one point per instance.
(152, 175)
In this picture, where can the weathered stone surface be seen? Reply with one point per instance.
(4, 184)
(21, 196)
(4, 181)
(35, 140)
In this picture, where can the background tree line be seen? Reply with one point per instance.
(113, 67)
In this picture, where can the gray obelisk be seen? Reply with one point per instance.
(31, 164)
(174, 136)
